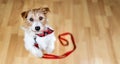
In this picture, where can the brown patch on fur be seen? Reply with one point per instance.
(45, 10)
(26, 25)
(44, 22)
(24, 14)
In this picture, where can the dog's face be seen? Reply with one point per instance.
(35, 19)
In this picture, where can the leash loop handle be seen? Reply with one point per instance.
(61, 39)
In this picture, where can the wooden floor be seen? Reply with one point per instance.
(95, 25)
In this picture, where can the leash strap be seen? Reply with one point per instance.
(61, 39)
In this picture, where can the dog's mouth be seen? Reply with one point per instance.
(38, 32)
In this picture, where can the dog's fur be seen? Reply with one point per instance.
(45, 43)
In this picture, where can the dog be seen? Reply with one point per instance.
(39, 37)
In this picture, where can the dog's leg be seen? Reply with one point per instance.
(29, 45)
(50, 48)
(51, 45)
(35, 51)
(41, 43)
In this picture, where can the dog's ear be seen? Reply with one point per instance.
(45, 10)
(24, 14)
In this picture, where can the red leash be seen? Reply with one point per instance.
(61, 39)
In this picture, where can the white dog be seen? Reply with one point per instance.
(39, 36)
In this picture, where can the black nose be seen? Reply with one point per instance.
(37, 28)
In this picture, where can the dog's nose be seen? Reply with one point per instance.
(37, 28)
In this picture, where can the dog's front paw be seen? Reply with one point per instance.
(37, 53)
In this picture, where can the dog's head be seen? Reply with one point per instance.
(35, 19)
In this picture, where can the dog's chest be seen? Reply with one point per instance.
(41, 40)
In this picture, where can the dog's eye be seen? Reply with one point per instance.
(40, 18)
(31, 19)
